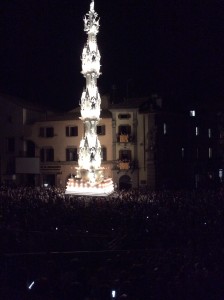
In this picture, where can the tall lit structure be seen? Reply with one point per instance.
(89, 178)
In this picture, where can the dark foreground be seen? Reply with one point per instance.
(140, 244)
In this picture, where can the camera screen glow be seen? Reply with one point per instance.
(31, 285)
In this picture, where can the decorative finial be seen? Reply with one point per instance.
(92, 6)
(91, 20)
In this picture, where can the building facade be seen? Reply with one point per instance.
(14, 114)
(183, 148)
(57, 139)
(129, 144)
(143, 145)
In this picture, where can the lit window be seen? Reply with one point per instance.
(209, 133)
(182, 152)
(220, 174)
(210, 152)
(46, 132)
(101, 130)
(164, 128)
(192, 113)
(196, 130)
(197, 180)
(71, 130)
(71, 154)
(46, 154)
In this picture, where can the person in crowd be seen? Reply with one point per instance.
(125, 246)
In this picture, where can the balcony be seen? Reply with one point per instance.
(126, 165)
(125, 138)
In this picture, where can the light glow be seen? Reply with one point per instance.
(113, 294)
(89, 178)
(31, 285)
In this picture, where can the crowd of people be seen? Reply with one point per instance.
(135, 244)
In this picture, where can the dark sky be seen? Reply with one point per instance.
(173, 48)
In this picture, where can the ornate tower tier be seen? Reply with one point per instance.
(89, 179)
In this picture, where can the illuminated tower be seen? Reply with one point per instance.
(89, 177)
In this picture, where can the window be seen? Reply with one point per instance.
(46, 154)
(197, 153)
(42, 132)
(192, 113)
(164, 128)
(103, 153)
(209, 133)
(46, 132)
(10, 145)
(209, 152)
(197, 180)
(125, 155)
(71, 154)
(71, 131)
(30, 147)
(101, 130)
(220, 174)
(182, 152)
(9, 119)
(196, 131)
(124, 116)
(124, 129)
(49, 132)
(10, 166)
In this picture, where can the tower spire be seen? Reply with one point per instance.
(89, 161)
(92, 6)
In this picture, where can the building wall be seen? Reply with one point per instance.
(143, 149)
(121, 174)
(165, 149)
(13, 116)
(181, 152)
(60, 169)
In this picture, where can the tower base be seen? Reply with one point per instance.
(80, 188)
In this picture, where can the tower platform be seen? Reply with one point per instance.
(80, 188)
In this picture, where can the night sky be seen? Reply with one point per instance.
(173, 48)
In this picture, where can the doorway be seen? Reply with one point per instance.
(125, 182)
